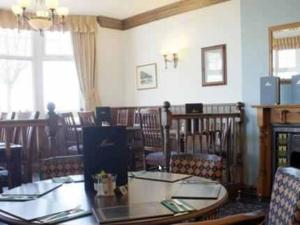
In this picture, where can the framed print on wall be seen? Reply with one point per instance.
(214, 69)
(146, 76)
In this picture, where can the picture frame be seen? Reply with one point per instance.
(214, 65)
(146, 76)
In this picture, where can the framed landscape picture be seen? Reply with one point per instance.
(146, 76)
(214, 65)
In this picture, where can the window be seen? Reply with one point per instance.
(60, 80)
(285, 62)
(35, 70)
(16, 86)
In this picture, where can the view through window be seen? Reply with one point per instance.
(35, 70)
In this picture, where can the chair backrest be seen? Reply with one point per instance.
(70, 129)
(203, 165)
(122, 117)
(104, 115)
(3, 115)
(87, 118)
(150, 119)
(27, 115)
(285, 199)
(136, 118)
(61, 166)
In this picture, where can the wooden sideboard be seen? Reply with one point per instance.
(267, 117)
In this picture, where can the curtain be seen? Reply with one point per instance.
(85, 57)
(286, 43)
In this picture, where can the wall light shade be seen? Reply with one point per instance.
(171, 58)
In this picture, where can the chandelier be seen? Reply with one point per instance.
(44, 14)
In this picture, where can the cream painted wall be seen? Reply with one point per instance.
(109, 61)
(188, 32)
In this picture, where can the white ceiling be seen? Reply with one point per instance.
(120, 9)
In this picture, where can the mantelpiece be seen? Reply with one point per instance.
(269, 116)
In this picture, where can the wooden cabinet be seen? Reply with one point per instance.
(269, 116)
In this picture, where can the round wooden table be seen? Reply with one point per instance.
(139, 191)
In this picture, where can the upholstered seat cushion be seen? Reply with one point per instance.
(156, 158)
(285, 199)
(204, 165)
(61, 166)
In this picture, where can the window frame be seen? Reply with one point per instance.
(37, 58)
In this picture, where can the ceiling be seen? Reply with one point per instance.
(119, 9)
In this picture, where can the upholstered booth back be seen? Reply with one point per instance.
(285, 199)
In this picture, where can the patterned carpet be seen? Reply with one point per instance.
(245, 205)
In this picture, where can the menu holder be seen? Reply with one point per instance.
(43, 209)
(197, 191)
(132, 212)
(11, 198)
(159, 176)
(33, 190)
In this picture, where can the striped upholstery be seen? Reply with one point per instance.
(285, 199)
(61, 166)
(203, 165)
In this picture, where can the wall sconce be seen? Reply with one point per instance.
(171, 58)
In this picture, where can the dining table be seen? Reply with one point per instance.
(141, 192)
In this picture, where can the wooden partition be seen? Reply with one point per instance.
(36, 136)
(214, 133)
(218, 130)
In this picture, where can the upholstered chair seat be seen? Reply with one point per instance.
(61, 166)
(203, 165)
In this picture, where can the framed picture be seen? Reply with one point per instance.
(214, 69)
(146, 76)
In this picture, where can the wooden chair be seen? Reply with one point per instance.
(72, 137)
(61, 166)
(203, 165)
(122, 117)
(284, 206)
(3, 115)
(87, 118)
(153, 138)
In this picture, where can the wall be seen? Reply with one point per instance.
(242, 25)
(188, 33)
(109, 61)
(256, 17)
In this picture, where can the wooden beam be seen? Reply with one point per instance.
(156, 14)
(109, 22)
(167, 11)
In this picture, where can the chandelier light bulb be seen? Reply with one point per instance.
(24, 3)
(52, 4)
(62, 11)
(47, 14)
(42, 13)
(17, 10)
